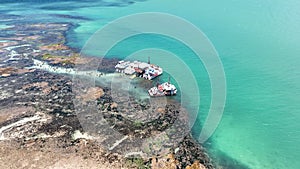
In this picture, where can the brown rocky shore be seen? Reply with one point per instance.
(39, 126)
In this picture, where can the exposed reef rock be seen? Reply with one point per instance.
(41, 127)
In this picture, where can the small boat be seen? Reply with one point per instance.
(140, 69)
(165, 89)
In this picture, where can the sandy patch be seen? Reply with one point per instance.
(11, 112)
(75, 59)
(14, 157)
(91, 94)
(8, 71)
(6, 44)
(33, 37)
(54, 47)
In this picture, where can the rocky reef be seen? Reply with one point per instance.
(40, 124)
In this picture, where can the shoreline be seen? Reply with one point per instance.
(46, 97)
(65, 71)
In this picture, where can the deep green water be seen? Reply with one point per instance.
(258, 43)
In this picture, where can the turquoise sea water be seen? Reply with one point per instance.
(258, 44)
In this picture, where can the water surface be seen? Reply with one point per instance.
(258, 43)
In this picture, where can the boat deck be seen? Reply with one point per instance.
(141, 69)
(165, 89)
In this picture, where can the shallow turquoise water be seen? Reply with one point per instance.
(258, 43)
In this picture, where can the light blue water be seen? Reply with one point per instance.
(258, 43)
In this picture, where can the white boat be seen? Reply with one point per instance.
(165, 89)
(140, 69)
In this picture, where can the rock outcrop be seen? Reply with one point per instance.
(40, 125)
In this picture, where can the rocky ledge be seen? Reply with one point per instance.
(40, 124)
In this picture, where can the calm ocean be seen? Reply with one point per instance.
(259, 45)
